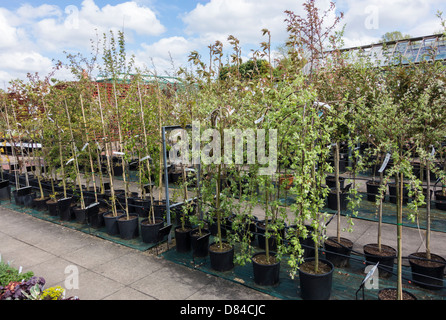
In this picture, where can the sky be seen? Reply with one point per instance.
(162, 33)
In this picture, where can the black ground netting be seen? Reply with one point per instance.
(346, 281)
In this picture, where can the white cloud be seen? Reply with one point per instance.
(244, 19)
(367, 20)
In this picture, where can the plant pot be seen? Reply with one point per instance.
(332, 201)
(427, 274)
(199, 248)
(24, 196)
(5, 190)
(80, 215)
(64, 209)
(182, 239)
(307, 243)
(391, 294)
(52, 207)
(373, 190)
(392, 193)
(40, 204)
(128, 228)
(111, 222)
(94, 217)
(386, 258)
(330, 182)
(149, 231)
(142, 206)
(286, 180)
(315, 286)
(272, 240)
(440, 200)
(222, 259)
(265, 274)
(338, 253)
(159, 208)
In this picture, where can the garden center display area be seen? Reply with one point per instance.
(236, 169)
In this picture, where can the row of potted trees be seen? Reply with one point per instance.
(302, 120)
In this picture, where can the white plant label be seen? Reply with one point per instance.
(118, 153)
(72, 159)
(145, 158)
(85, 145)
(384, 165)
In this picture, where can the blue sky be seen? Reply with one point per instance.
(161, 34)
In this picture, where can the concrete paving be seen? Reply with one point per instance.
(96, 269)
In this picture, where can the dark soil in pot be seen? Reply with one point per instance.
(392, 294)
(427, 273)
(182, 239)
(385, 257)
(128, 226)
(266, 272)
(338, 253)
(221, 258)
(149, 230)
(316, 286)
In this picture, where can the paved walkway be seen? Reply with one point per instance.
(111, 271)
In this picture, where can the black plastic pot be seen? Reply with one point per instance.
(149, 231)
(221, 260)
(386, 261)
(330, 181)
(429, 277)
(316, 286)
(272, 240)
(94, 218)
(265, 274)
(64, 209)
(338, 254)
(199, 248)
(80, 215)
(128, 228)
(182, 239)
(440, 200)
(142, 206)
(40, 204)
(5, 190)
(159, 208)
(24, 196)
(52, 207)
(111, 222)
(373, 190)
(332, 201)
(392, 193)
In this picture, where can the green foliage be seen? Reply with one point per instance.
(9, 274)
